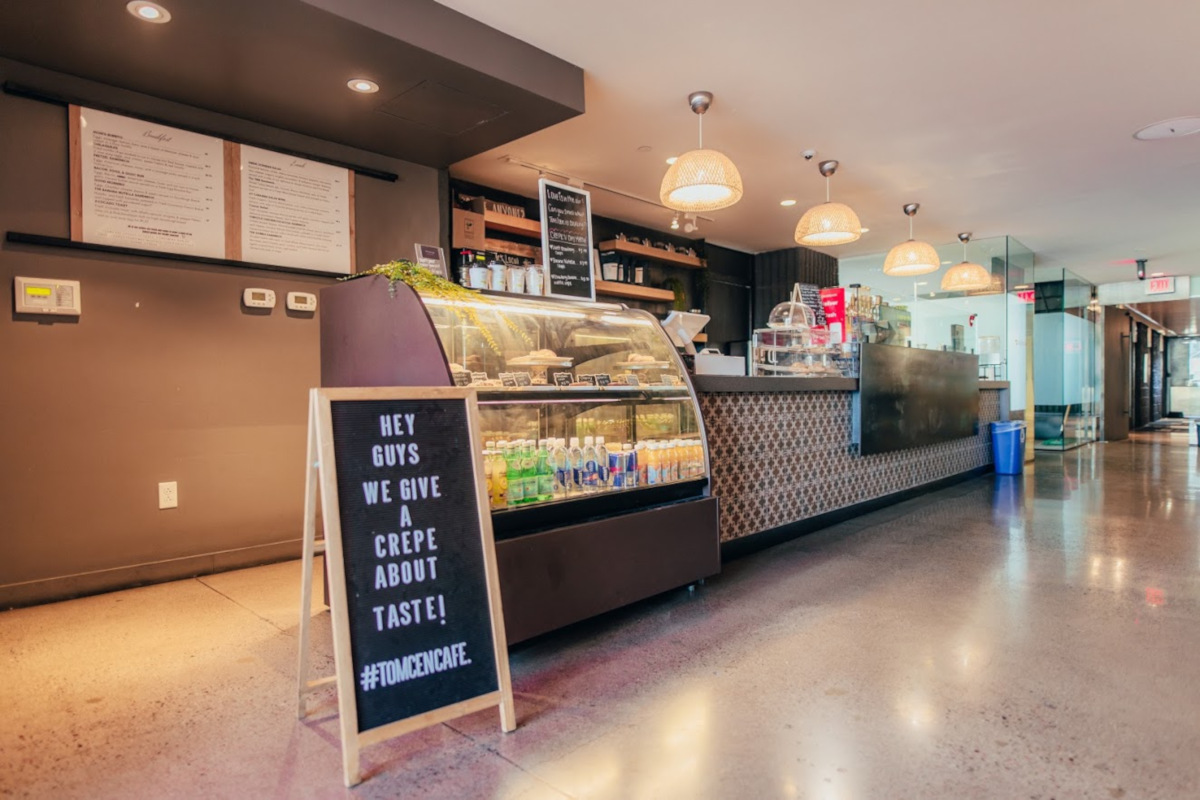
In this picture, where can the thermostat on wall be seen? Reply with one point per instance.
(46, 296)
(258, 298)
(301, 301)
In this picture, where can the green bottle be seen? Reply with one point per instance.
(545, 473)
(516, 481)
(529, 472)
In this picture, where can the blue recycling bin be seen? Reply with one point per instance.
(1008, 447)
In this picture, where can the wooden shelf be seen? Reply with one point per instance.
(653, 253)
(513, 249)
(632, 291)
(510, 224)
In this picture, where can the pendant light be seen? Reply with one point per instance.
(701, 180)
(912, 257)
(966, 277)
(829, 223)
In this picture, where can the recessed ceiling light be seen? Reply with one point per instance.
(1170, 129)
(645, 148)
(787, 202)
(672, 159)
(1157, 274)
(864, 230)
(363, 86)
(148, 12)
(945, 263)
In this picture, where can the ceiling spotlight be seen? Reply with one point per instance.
(148, 12)
(787, 203)
(1170, 129)
(911, 257)
(1141, 269)
(701, 180)
(363, 86)
(690, 225)
(675, 222)
(864, 230)
(672, 159)
(829, 223)
(966, 277)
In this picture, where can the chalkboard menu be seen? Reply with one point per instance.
(810, 293)
(567, 240)
(416, 584)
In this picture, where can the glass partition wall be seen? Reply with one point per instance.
(994, 323)
(1066, 369)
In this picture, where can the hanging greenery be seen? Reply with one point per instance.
(459, 299)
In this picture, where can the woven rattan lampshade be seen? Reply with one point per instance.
(828, 224)
(701, 180)
(911, 258)
(966, 277)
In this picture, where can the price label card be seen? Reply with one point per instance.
(588, 379)
(523, 378)
(462, 378)
(563, 379)
(603, 380)
(478, 377)
(633, 380)
(508, 380)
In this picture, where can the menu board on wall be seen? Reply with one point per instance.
(144, 185)
(567, 240)
(295, 212)
(810, 293)
(140, 185)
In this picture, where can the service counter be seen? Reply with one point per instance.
(784, 461)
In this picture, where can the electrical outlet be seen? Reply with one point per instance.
(168, 495)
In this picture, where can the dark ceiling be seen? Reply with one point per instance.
(1181, 316)
(450, 87)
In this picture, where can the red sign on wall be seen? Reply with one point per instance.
(1161, 286)
(1025, 296)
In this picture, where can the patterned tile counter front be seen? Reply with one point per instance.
(779, 457)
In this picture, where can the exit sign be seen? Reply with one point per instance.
(1025, 295)
(1161, 286)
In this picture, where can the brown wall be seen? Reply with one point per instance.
(1117, 361)
(164, 377)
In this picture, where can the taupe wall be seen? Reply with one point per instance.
(164, 377)
(1117, 357)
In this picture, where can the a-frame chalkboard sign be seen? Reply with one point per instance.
(418, 633)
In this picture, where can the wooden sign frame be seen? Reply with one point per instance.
(321, 481)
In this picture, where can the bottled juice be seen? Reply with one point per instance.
(591, 465)
(653, 465)
(545, 473)
(499, 471)
(602, 463)
(639, 454)
(670, 461)
(516, 481)
(575, 458)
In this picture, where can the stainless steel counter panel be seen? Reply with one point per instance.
(741, 384)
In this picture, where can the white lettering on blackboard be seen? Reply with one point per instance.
(404, 573)
(424, 487)
(375, 492)
(416, 665)
(394, 455)
(404, 543)
(396, 424)
(407, 613)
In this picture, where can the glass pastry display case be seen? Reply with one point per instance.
(595, 456)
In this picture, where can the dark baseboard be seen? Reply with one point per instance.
(736, 548)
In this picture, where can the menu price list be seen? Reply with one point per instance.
(416, 585)
(566, 240)
(150, 186)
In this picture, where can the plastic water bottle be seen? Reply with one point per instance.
(591, 465)
(575, 458)
(512, 470)
(561, 463)
(529, 470)
(602, 463)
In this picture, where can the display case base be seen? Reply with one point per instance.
(557, 577)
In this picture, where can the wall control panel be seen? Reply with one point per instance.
(258, 298)
(46, 296)
(301, 301)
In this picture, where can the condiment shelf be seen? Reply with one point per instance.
(653, 253)
(513, 248)
(634, 292)
(510, 224)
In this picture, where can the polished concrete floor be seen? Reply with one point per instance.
(1008, 638)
